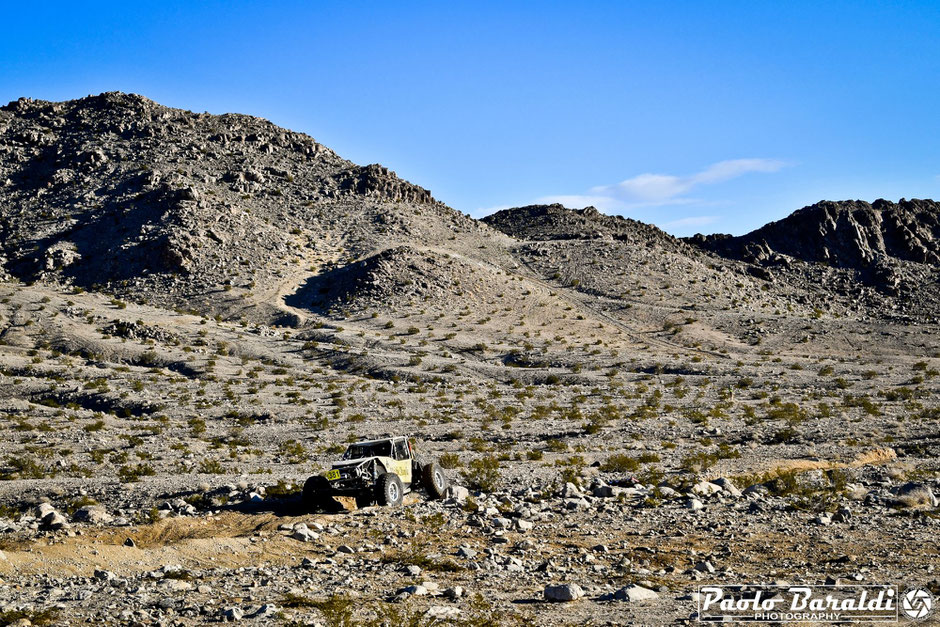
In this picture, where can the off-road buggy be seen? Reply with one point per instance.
(375, 471)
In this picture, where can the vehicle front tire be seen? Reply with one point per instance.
(317, 492)
(435, 483)
(388, 490)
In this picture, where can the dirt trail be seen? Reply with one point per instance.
(637, 335)
(776, 467)
(228, 540)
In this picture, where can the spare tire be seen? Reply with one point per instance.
(435, 483)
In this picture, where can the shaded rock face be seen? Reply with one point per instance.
(847, 234)
(391, 277)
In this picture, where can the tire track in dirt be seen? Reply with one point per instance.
(635, 334)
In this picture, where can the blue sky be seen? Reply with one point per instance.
(696, 116)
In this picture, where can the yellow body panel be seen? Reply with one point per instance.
(402, 468)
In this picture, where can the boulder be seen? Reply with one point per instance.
(705, 488)
(563, 593)
(458, 493)
(728, 486)
(232, 614)
(42, 510)
(634, 592)
(54, 520)
(413, 590)
(302, 533)
(92, 514)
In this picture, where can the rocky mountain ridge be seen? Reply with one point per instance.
(119, 193)
(234, 216)
(847, 234)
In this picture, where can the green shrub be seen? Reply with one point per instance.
(294, 451)
(23, 467)
(482, 473)
(449, 460)
(130, 474)
(211, 467)
(620, 463)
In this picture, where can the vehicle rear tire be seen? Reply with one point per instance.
(388, 489)
(317, 493)
(435, 483)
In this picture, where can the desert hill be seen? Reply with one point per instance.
(219, 214)
(883, 256)
(846, 234)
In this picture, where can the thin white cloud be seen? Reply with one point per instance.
(660, 190)
(727, 170)
(646, 190)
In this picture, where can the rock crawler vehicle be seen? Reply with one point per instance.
(375, 471)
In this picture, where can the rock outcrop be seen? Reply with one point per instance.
(117, 193)
(556, 222)
(846, 234)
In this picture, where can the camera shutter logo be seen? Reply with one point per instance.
(917, 603)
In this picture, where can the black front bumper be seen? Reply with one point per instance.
(353, 485)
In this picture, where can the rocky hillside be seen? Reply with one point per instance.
(893, 246)
(215, 213)
(555, 222)
(847, 234)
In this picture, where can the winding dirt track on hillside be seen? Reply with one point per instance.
(637, 335)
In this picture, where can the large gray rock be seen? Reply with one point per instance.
(563, 593)
(55, 521)
(571, 491)
(705, 488)
(42, 510)
(634, 592)
(728, 486)
(414, 590)
(92, 514)
(303, 533)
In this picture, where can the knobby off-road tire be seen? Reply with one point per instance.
(317, 493)
(388, 489)
(434, 481)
